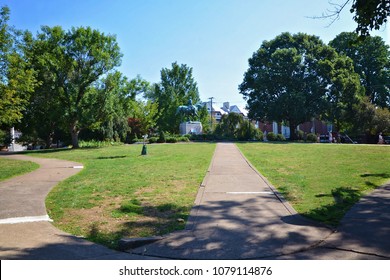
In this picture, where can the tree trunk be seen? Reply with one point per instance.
(74, 132)
(293, 135)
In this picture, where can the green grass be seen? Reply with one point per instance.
(11, 168)
(120, 193)
(321, 181)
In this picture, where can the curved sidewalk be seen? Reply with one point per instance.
(25, 228)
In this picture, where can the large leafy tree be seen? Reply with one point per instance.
(371, 59)
(294, 78)
(176, 88)
(71, 63)
(17, 79)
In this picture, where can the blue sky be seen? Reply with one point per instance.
(214, 37)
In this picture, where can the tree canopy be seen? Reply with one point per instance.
(371, 60)
(71, 62)
(17, 79)
(176, 88)
(294, 78)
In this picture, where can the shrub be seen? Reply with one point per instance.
(98, 144)
(153, 140)
(300, 135)
(161, 137)
(183, 139)
(280, 137)
(171, 139)
(311, 137)
(259, 136)
(271, 136)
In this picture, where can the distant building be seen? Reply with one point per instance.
(224, 110)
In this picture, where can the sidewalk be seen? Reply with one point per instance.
(25, 228)
(238, 216)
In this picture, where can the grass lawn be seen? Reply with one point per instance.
(321, 181)
(10, 168)
(122, 194)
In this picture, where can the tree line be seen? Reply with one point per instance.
(64, 84)
(296, 78)
(61, 84)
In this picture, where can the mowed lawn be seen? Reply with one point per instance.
(11, 168)
(120, 193)
(321, 181)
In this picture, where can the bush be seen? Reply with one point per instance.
(300, 135)
(171, 139)
(183, 139)
(259, 136)
(98, 144)
(271, 136)
(280, 137)
(311, 137)
(153, 140)
(161, 137)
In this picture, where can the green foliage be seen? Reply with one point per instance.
(370, 120)
(234, 127)
(177, 86)
(280, 137)
(271, 136)
(311, 137)
(98, 144)
(17, 79)
(371, 60)
(72, 62)
(370, 15)
(294, 78)
(161, 137)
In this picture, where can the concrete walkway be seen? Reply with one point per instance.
(237, 215)
(25, 228)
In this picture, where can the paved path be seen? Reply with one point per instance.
(237, 215)
(25, 228)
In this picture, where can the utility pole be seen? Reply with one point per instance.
(211, 112)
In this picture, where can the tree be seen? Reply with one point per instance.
(368, 14)
(369, 120)
(74, 61)
(293, 79)
(177, 86)
(371, 59)
(17, 79)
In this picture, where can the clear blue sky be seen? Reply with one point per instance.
(214, 37)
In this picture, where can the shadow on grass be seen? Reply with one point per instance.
(378, 175)
(112, 157)
(344, 198)
(159, 220)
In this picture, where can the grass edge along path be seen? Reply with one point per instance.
(11, 167)
(321, 181)
(120, 193)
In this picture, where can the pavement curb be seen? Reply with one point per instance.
(199, 196)
(287, 205)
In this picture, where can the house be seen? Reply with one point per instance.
(315, 126)
(216, 114)
(226, 108)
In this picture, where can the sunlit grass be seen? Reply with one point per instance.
(321, 181)
(10, 168)
(120, 193)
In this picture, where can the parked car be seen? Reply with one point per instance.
(386, 139)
